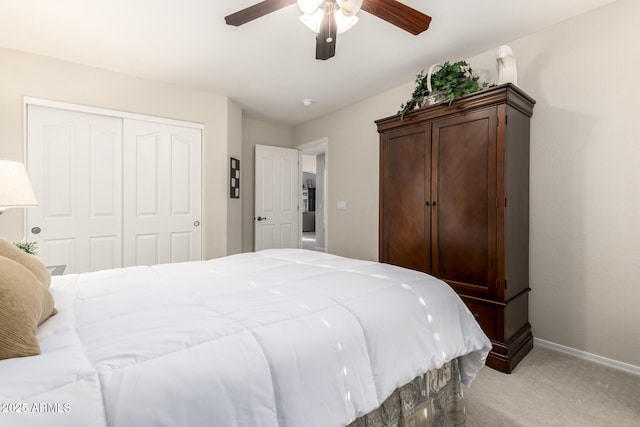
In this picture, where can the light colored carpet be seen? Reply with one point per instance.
(549, 388)
(309, 241)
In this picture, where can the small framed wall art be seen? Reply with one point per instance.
(234, 179)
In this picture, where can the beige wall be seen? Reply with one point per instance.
(585, 177)
(234, 206)
(256, 132)
(22, 74)
(352, 171)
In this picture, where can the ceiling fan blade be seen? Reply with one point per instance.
(398, 14)
(256, 11)
(326, 38)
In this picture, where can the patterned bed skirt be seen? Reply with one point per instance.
(430, 400)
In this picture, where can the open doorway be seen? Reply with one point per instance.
(313, 195)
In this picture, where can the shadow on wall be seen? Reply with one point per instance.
(561, 141)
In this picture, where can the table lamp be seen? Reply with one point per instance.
(15, 187)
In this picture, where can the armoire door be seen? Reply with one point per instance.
(405, 167)
(75, 164)
(162, 193)
(464, 186)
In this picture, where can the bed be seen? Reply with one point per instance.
(282, 337)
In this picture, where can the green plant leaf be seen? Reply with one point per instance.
(451, 81)
(28, 247)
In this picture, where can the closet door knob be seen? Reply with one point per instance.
(261, 218)
(36, 230)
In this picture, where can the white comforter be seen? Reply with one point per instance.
(275, 338)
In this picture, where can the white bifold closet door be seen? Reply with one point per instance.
(162, 193)
(112, 192)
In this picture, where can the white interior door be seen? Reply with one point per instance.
(74, 161)
(162, 193)
(276, 198)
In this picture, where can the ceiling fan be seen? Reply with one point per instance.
(327, 18)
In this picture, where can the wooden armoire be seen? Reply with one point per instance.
(454, 203)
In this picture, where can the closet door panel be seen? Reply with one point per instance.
(147, 249)
(182, 160)
(162, 193)
(74, 162)
(148, 151)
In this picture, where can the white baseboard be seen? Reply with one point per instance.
(611, 363)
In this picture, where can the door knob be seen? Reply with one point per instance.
(261, 218)
(196, 223)
(36, 230)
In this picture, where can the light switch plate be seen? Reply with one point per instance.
(341, 205)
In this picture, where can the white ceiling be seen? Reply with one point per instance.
(267, 65)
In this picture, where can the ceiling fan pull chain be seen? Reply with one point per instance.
(329, 38)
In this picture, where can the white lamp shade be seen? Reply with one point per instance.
(309, 7)
(350, 7)
(344, 22)
(15, 187)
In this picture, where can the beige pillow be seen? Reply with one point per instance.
(24, 304)
(33, 264)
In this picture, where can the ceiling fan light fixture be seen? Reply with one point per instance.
(343, 23)
(349, 7)
(309, 7)
(312, 21)
(326, 18)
